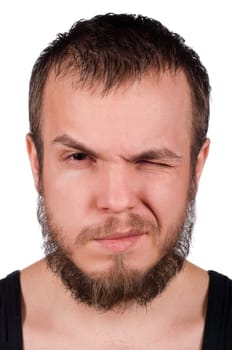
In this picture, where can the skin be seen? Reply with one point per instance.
(153, 114)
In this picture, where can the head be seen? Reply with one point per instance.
(119, 111)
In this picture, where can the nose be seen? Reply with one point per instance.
(116, 192)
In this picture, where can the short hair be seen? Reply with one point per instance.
(112, 48)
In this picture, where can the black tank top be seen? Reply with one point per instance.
(218, 324)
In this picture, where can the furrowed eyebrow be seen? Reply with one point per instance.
(79, 146)
(153, 154)
(157, 154)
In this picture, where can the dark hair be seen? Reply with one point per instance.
(112, 48)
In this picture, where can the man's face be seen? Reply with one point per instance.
(116, 170)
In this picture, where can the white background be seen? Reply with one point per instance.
(26, 27)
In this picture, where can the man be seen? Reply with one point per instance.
(119, 111)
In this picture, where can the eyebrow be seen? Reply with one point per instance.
(152, 154)
(157, 154)
(79, 146)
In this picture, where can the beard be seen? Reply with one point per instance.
(119, 285)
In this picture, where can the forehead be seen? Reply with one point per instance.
(154, 107)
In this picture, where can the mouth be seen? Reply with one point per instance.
(120, 241)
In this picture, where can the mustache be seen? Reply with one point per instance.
(113, 224)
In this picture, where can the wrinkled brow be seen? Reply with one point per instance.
(75, 144)
(156, 154)
(152, 154)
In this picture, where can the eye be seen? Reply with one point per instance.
(79, 156)
(79, 160)
(154, 163)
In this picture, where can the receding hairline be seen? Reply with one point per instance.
(92, 83)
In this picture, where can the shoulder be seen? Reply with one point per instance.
(10, 310)
(12, 276)
(9, 287)
(220, 289)
(218, 277)
(218, 324)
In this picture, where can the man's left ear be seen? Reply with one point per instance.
(201, 159)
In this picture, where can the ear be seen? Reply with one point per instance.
(33, 157)
(201, 159)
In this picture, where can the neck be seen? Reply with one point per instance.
(52, 295)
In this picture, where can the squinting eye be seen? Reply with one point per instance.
(79, 156)
(154, 163)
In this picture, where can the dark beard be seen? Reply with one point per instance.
(118, 286)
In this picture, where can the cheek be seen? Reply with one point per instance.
(167, 196)
(68, 198)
